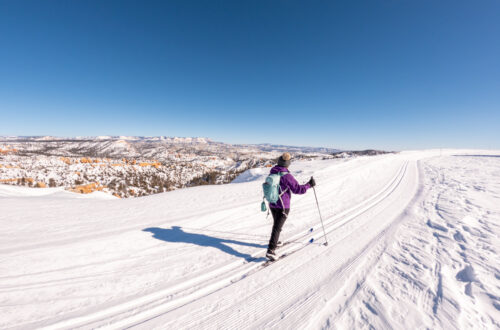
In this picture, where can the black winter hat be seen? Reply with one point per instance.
(284, 160)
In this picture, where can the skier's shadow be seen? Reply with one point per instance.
(177, 235)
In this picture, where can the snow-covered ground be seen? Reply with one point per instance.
(413, 243)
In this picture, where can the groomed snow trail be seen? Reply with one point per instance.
(286, 294)
(193, 258)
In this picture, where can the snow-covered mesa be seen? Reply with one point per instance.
(413, 244)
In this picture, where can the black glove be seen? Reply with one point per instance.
(311, 182)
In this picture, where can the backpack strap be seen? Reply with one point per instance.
(282, 192)
(282, 174)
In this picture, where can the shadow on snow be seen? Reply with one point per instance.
(177, 235)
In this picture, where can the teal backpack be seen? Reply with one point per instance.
(272, 189)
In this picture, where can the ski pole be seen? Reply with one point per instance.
(326, 241)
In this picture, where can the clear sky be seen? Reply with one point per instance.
(389, 74)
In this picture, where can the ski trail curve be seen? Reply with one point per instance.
(146, 310)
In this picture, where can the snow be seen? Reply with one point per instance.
(413, 243)
(16, 191)
(253, 174)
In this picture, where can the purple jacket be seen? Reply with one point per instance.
(289, 184)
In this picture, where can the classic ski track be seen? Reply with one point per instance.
(92, 277)
(308, 301)
(89, 277)
(211, 281)
(219, 318)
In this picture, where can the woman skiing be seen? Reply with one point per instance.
(281, 208)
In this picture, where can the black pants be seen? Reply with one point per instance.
(279, 217)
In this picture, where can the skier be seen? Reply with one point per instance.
(280, 210)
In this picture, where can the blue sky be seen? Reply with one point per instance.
(346, 74)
